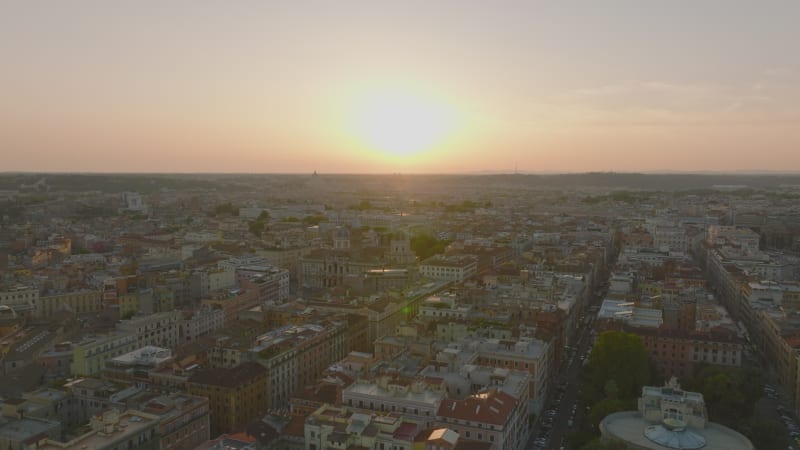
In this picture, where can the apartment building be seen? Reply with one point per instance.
(296, 355)
(414, 399)
(494, 417)
(236, 395)
(183, 420)
(677, 352)
(449, 268)
(333, 427)
(24, 300)
(200, 322)
(526, 354)
(89, 356)
(160, 329)
(79, 302)
(232, 302)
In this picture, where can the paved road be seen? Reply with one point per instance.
(569, 375)
(767, 408)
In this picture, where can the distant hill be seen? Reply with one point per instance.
(145, 183)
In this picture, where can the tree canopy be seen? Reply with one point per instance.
(622, 358)
(425, 245)
(226, 209)
(765, 433)
(730, 393)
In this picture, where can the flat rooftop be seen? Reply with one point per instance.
(427, 397)
(130, 424)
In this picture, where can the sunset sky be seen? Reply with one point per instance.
(402, 86)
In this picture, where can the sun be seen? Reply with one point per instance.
(401, 123)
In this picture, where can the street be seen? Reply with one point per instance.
(551, 429)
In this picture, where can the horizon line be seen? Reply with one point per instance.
(743, 172)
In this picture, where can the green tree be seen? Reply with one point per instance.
(256, 227)
(425, 245)
(730, 394)
(226, 209)
(314, 220)
(623, 358)
(611, 390)
(263, 217)
(363, 205)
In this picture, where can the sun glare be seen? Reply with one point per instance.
(401, 124)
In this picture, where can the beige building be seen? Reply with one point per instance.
(449, 268)
(414, 399)
(331, 427)
(87, 301)
(90, 355)
(492, 416)
(160, 329)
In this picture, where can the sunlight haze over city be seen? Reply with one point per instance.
(406, 86)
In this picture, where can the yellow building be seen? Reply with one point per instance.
(128, 304)
(650, 289)
(89, 356)
(236, 395)
(163, 299)
(77, 302)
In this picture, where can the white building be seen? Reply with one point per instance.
(416, 400)
(669, 417)
(744, 237)
(160, 329)
(202, 322)
(450, 268)
(275, 280)
(534, 356)
(23, 300)
(443, 308)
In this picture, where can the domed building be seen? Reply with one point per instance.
(670, 418)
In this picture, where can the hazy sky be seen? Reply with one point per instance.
(259, 86)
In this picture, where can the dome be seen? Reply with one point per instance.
(673, 434)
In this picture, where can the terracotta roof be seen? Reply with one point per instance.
(296, 426)
(493, 407)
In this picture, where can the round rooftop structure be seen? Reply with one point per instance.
(672, 433)
(631, 428)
